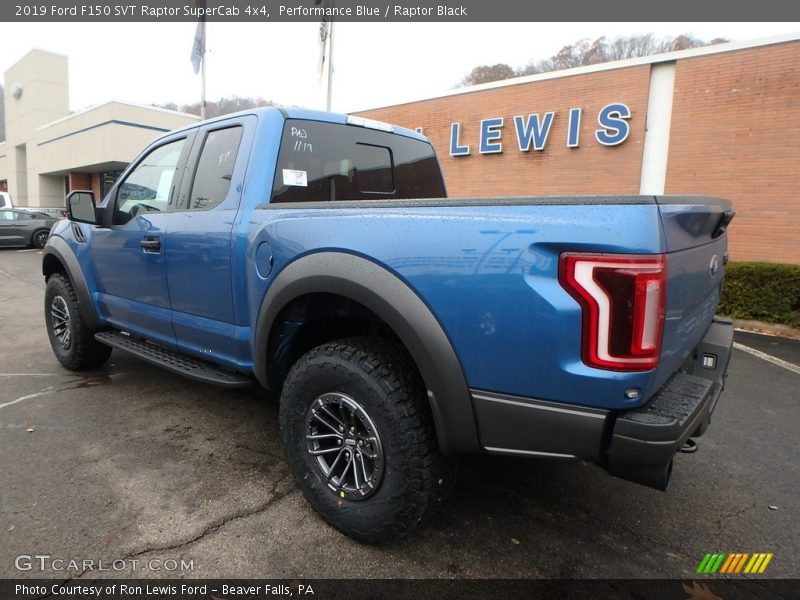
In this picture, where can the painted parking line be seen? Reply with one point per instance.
(44, 392)
(768, 357)
(30, 375)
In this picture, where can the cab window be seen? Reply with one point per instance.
(321, 162)
(150, 186)
(215, 168)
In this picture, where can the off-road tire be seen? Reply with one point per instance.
(78, 350)
(378, 376)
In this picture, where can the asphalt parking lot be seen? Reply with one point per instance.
(134, 464)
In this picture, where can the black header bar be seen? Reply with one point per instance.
(394, 10)
(396, 589)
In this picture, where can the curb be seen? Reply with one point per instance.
(766, 328)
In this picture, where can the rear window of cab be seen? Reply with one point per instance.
(321, 162)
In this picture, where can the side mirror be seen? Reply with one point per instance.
(81, 207)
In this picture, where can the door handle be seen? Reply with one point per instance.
(151, 244)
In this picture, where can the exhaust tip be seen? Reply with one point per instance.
(655, 476)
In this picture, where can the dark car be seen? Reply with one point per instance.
(20, 228)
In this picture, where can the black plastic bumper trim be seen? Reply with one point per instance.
(514, 425)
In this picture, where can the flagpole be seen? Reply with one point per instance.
(203, 77)
(326, 50)
(330, 65)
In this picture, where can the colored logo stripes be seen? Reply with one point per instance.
(736, 562)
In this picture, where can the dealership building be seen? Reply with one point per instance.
(721, 120)
(49, 151)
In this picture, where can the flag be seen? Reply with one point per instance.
(199, 47)
(323, 39)
(324, 31)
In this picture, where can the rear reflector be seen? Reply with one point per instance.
(622, 298)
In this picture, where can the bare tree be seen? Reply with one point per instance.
(684, 42)
(223, 106)
(486, 73)
(590, 52)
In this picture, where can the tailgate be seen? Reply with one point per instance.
(695, 240)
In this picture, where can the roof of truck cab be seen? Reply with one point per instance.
(305, 114)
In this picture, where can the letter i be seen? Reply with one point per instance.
(574, 131)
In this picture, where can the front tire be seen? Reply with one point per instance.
(72, 340)
(359, 438)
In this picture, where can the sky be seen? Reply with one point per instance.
(375, 64)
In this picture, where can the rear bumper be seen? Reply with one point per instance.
(638, 445)
(645, 440)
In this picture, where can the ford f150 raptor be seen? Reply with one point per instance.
(318, 256)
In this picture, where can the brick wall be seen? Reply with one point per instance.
(736, 133)
(588, 169)
(80, 181)
(98, 193)
(86, 181)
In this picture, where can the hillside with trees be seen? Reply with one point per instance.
(588, 52)
(223, 106)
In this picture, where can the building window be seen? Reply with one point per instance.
(107, 181)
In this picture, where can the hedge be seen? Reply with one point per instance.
(762, 291)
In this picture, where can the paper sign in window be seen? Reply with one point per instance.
(296, 178)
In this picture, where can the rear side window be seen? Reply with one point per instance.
(215, 168)
(328, 162)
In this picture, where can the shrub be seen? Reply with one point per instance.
(763, 291)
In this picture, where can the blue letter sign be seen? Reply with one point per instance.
(533, 131)
(615, 128)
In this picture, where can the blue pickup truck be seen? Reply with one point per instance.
(317, 255)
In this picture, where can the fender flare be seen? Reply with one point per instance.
(391, 299)
(57, 247)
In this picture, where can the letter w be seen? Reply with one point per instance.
(533, 131)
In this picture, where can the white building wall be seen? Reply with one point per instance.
(36, 92)
(44, 142)
(3, 161)
(114, 132)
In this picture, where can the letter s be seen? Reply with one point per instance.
(615, 128)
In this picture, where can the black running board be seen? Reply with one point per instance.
(173, 361)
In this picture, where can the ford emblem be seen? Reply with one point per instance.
(713, 267)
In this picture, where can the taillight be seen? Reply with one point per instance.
(622, 297)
